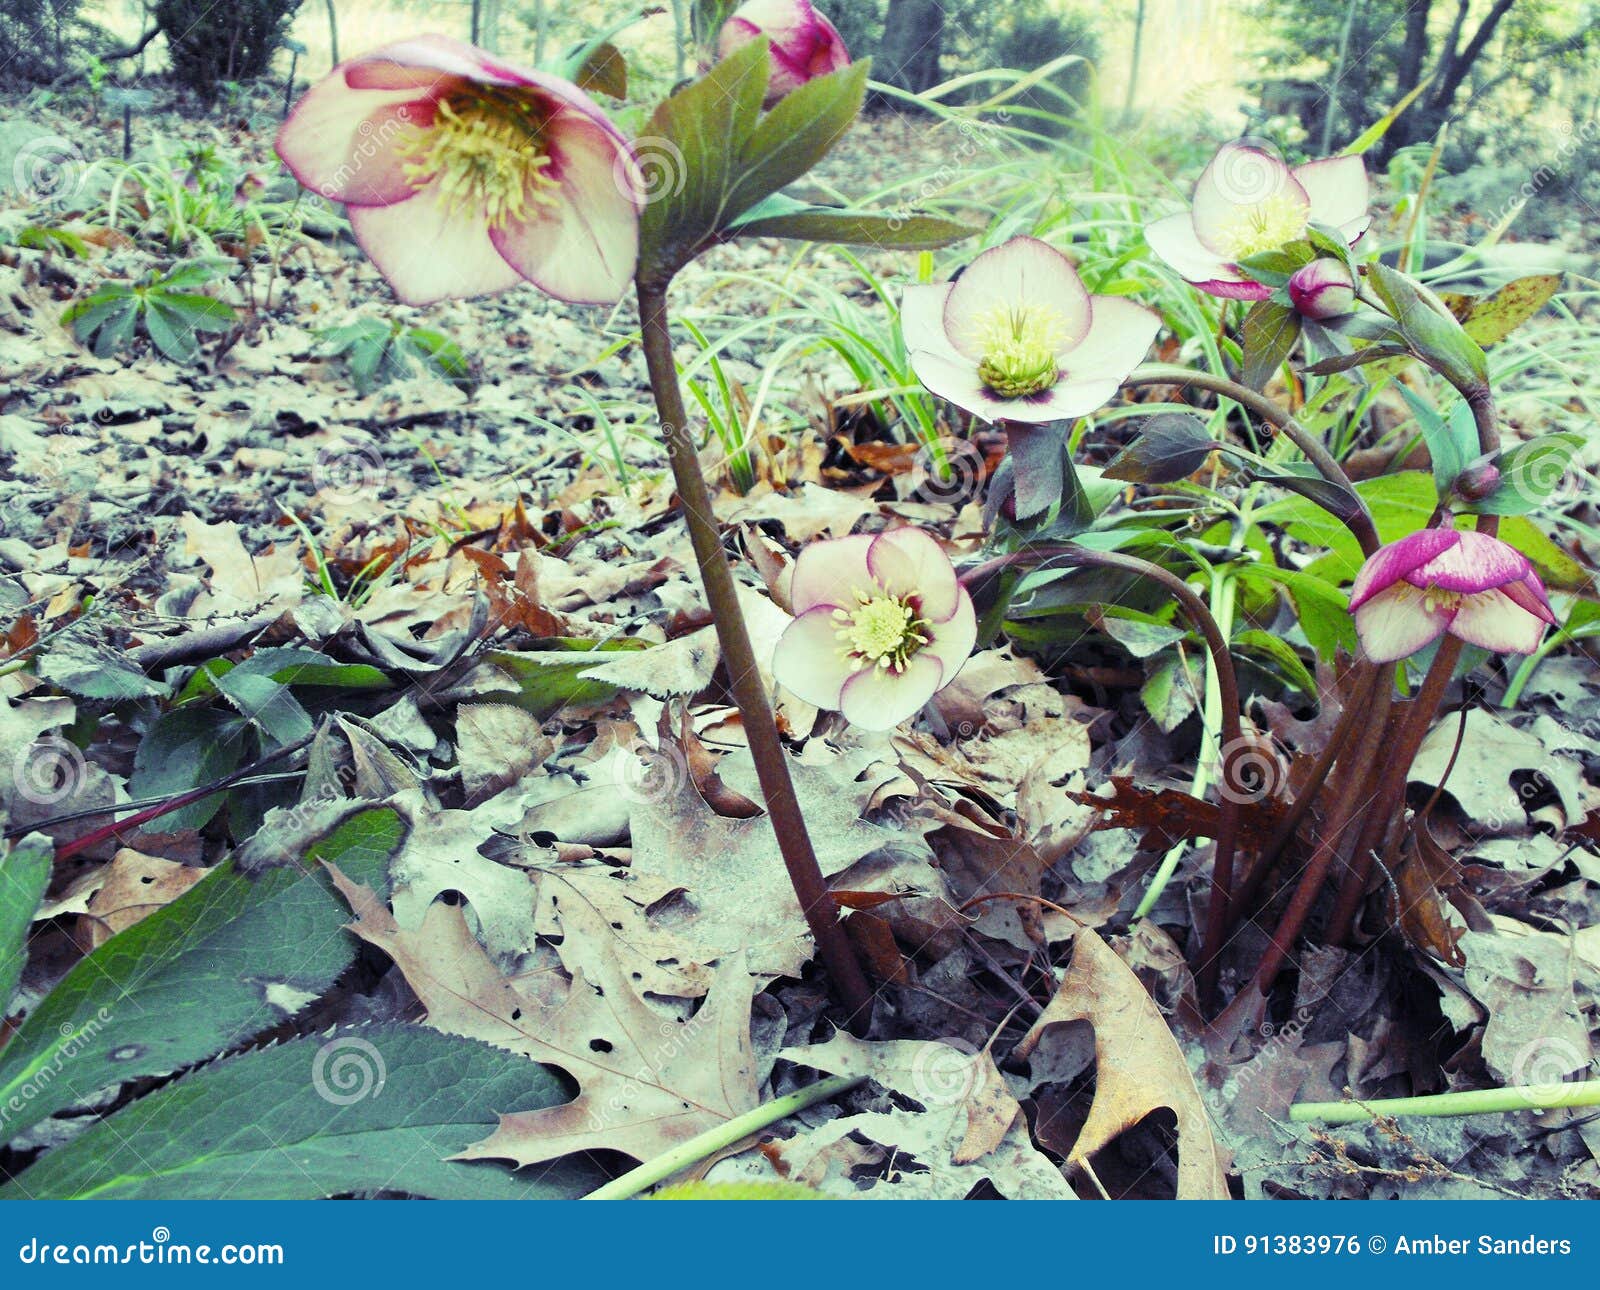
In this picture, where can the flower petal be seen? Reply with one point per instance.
(1529, 593)
(429, 252)
(809, 661)
(1174, 240)
(1396, 622)
(344, 143)
(1119, 336)
(910, 562)
(1022, 272)
(957, 380)
(1239, 178)
(585, 247)
(1389, 564)
(879, 698)
(953, 639)
(922, 320)
(1493, 620)
(830, 573)
(1473, 562)
(1338, 188)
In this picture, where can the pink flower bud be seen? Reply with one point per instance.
(1323, 289)
(804, 44)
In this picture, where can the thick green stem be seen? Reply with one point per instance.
(1316, 452)
(849, 982)
(714, 1140)
(1478, 1101)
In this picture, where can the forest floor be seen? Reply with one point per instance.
(437, 540)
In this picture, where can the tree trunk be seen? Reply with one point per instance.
(913, 33)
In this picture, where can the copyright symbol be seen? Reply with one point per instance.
(1376, 1244)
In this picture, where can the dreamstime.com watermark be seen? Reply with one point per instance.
(160, 1250)
(75, 1039)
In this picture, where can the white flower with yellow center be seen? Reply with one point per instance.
(465, 175)
(1248, 201)
(881, 625)
(1017, 337)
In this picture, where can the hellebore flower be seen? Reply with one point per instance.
(465, 175)
(1475, 587)
(1247, 201)
(804, 44)
(1322, 289)
(1017, 337)
(881, 624)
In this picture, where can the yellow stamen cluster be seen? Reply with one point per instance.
(882, 630)
(1020, 345)
(1262, 226)
(1433, 598)
(487, 157)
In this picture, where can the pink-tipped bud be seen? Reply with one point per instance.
(804, 44)
(1323, 289)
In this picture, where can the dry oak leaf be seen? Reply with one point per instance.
(948, 1080)
(1139, 1067)
(134, 887)
(646, 1080)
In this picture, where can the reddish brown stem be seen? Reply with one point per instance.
(845, 976)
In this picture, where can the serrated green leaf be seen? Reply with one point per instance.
(1270, 331)
(169, 332)
(1168, 694)
(92, 671)
(709, 154)
(688, 151)
(24, 875)
(1282, 655)
(1430, 330)
(243, 949)
(1529, 474)
(1451, 442)
(186, 748)
(546, 680)
(365, 1109)
(1494, 317)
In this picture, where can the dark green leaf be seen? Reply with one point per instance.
(780, 216)
(1168, 447)
(186, 748)
(1270, 331)
(24, 874)
(248, 946)
(365, 1109)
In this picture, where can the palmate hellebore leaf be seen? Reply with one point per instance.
(366, 1109)
(252, 944)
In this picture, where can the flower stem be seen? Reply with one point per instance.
(1478, 1101)
(1316, 452)
(711, 1141)
(1219, 908)
(848, 980)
